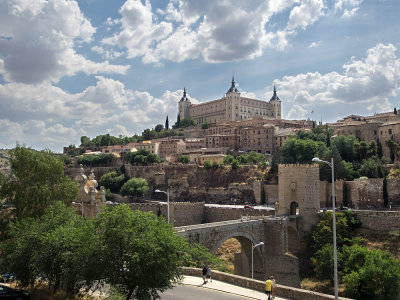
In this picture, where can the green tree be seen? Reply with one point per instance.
(183, 159)
(345, 146)
(361, 149)
(207, 164)
(235, 164)
(56, 248)
(85, 141)
(135, 187)
(148, 134)
(296, 150)
(395, 111)
(158, 128)
(113, 181)
(379, 150)
(37, 181)
(371, 274)
(166, 123)
(187, 122)
(205, 125)
(198, 256)
(373, 168)
(140, 253)
(393, 149)
(385, 192)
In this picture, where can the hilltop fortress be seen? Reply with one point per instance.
(232, 107)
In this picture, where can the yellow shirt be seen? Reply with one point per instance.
(268, 285)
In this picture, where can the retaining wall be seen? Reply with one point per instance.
(280, 290)
(218, 214)
(379, 220)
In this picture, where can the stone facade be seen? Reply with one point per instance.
(299, 193)
(231, 107)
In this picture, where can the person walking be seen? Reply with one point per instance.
(204, 274)
(268, 288)
(273, 286)
(209, 273)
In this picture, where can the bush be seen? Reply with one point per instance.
(183, 159)
(371, 274)
(207, 164)
(95, 160)
(135, 187)
(112, 181)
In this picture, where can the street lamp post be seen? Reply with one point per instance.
(335, 276)
(166, 193)
(252, 257)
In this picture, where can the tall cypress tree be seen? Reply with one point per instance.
(166, 123)
(395, 111)
(379, 150)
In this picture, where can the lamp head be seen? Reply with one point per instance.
(316, 159)
(157, 191)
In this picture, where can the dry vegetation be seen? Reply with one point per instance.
(4, 162)
(385, 241)
(227, 252)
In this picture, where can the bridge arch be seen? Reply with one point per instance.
(242, 259)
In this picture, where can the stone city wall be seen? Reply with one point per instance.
(271, 193)
(187, 213)
(393, 186)
(280, 291)
(217, 214)
(379, 220)
(365, 193)
(326, 193)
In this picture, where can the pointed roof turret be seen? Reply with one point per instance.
(184, 97)
(233, 87)
(275, 96)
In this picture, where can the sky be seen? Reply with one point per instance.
(91, 67)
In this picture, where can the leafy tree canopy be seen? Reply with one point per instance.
(140, 253)
(135, 187)
(183, 159)
(37, 181)
(113, 181)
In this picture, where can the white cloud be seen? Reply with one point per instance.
(297, 112)
(306, 13)
(43, 36)
(364, 86)
(42, 114)
(315, 44)
(215, 31)
(348, 8)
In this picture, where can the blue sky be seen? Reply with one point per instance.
(89, 67)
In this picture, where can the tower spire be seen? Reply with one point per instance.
(275, 95)
(233, 86)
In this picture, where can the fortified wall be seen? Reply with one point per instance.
(379, 220)
(365, 193)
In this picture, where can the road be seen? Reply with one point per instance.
(199, 293)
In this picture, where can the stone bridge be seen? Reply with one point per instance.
(270, 259)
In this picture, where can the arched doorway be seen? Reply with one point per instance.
(294, 208)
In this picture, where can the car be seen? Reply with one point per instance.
(248, 206)
(9, 293)
(6, 277)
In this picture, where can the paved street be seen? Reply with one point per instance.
(194, 289)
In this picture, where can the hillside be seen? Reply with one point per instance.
(5, 167)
